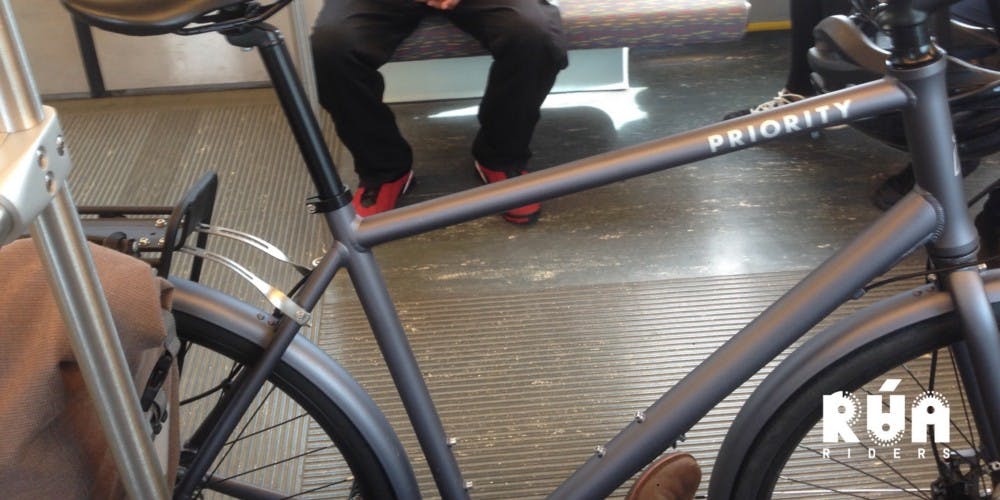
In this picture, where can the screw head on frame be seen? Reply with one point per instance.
(41, 157)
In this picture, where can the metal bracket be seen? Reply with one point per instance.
(33, 166)
(254, 241)
(276, 297)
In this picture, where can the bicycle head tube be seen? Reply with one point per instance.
(916, 62)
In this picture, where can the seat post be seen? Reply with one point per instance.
(268, 40)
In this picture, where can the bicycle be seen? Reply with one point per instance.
(956, 311)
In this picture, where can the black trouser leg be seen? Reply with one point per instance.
(526, 40)
(351, 40)
(805, 15)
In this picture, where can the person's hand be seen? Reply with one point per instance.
(441, 4)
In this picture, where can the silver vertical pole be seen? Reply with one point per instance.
(73, 279)
(20, 107)
(96, 346)
(307, 73)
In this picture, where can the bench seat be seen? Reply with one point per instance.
(591, 24)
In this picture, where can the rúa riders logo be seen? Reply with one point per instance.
(885, 421)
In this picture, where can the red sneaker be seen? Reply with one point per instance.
(370, 200)
(520, 215)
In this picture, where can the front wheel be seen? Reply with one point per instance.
(791, 457)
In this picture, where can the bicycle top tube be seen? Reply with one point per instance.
(816, 113)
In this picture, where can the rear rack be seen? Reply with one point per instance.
(153, 234)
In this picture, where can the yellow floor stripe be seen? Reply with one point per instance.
(769, 26)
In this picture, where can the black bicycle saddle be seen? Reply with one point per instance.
(143, 17)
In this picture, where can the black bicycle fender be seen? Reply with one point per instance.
(840, 339)
(227, 312)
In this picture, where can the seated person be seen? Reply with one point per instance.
(353, 38)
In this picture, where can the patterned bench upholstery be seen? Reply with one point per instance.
(592, 24)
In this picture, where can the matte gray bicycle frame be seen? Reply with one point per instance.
(916, 220)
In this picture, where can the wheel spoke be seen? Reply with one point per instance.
(272, 464)
(321, 487)
(249, 420)
(823, 488)
(790, 453)
(879, 479)
(303, 423)
(266, 429)
(965, 406)
(970, 441)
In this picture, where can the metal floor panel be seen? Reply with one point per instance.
(152, 153)
(530, 382)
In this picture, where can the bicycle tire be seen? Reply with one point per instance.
(784, 453)
(368, 478)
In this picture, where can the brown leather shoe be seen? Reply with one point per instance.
(674, 476)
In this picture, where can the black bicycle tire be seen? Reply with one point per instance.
(369, 476)
(757, 470)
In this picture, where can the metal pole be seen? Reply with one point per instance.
(20, 107)
(73, 279)
(91, 63)
(307, 73)
(60, 240)
(6, 222)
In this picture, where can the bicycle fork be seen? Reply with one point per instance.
(979, 358)
(930, 136)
